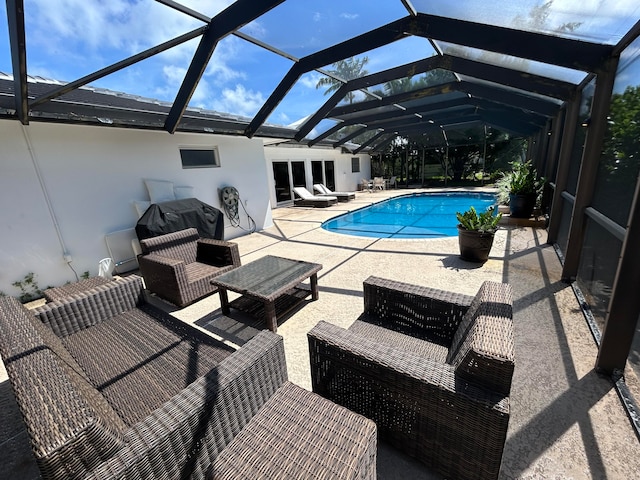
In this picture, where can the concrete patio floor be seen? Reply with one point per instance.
(566, 420)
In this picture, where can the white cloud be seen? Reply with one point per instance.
(255, 29)
(310, 80)
(131, 25)
(317, 17)
(594, 20)
(238, 101)
(313, 133)
(172, 79)
(89, 24)
(88, 34)
(202, 94)
(284, 118)
(218, 69)
(349, 16)
(117, 28)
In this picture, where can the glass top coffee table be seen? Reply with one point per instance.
(269, 287)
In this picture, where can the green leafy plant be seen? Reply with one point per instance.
(523, 179)
(503, 186)
(486, 221)
(29, 289)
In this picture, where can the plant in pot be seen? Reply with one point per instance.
(476, 232)
(525, 189)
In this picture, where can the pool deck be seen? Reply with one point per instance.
(567, 421)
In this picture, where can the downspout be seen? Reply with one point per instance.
(36, 167)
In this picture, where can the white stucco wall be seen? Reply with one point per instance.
(346, 180)
(91, 176)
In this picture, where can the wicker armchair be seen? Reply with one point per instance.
(433, 369)
(179, 266)
(111, 387)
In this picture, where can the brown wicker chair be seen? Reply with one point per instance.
(433, 369)
(179, 266)
(111, 387)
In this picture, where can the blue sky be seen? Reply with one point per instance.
(67, 39)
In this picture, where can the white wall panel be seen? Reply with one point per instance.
(85, 178)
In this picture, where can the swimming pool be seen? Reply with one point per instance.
(420, 215)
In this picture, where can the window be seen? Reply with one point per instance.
(355, 164)
(298, 175)
(199, 157)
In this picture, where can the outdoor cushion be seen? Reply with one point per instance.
(160, 190)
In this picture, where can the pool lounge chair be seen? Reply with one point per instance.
(308, 200)
(324, 192)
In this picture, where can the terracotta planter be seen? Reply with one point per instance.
(475, 246)
(521, 206)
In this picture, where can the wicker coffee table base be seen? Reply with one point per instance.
(271, 311)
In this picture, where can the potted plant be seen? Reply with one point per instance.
(525, 189)
(476, 232)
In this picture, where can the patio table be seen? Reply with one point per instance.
(269, 287)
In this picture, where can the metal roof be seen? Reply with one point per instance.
(509, 65)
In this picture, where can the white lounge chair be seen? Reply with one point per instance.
(324, 191)
(307, 199)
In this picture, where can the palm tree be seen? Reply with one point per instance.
(399, 85)
(437, 76)
(346, 69)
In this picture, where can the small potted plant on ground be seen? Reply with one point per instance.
(476, 232)
(524, 189)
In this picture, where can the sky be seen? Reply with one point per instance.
(67, 39)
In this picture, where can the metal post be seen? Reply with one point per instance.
(484, 154)
(589, 167)
(554, 148)
(406, 165)
(422, 174)
(562, 173)
(446, 165)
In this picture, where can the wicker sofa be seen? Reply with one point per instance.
(111, 387)
(432, 368)
(179, 266)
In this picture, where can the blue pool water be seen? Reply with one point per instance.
(421, 215)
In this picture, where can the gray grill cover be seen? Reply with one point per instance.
(175, 215)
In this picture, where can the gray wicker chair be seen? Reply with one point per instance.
(433, 369)
(179, 266)
(111, 387)
(54, 294)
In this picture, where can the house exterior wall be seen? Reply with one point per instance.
(64, 188)
(346, 180)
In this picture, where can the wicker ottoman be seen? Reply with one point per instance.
(298, 434)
